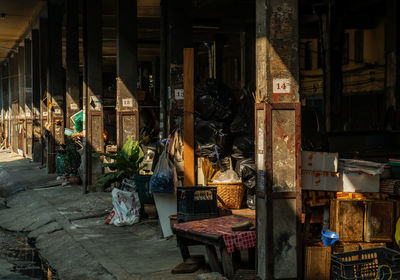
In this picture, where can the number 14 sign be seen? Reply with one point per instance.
(281, 86)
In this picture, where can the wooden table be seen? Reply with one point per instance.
(208, 233)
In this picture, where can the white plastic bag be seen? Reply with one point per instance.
(228, 176)
(126, 206)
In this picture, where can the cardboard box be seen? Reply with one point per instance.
(319, 161)
(358, 182)
(320, 181)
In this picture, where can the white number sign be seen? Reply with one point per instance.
(179, 94)
(127, 102)
(281, 86)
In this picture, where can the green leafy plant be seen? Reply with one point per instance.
(72, 157)
(125, 165)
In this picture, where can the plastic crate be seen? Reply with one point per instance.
(196, 203)
(142, 183)
(364, 264)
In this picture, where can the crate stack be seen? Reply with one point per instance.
(349, 198)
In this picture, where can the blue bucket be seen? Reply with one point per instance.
(329, 237)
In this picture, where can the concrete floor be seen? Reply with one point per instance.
(69, 231)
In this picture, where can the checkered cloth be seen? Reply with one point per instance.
(222, 226)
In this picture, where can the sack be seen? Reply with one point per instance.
(164, 177)
(126, 207)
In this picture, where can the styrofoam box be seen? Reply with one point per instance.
(358, 182)
(319, 161)
(320, 181)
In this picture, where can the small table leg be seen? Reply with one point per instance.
(236, 257)
(213, 258)
(252, 257)
(227, 263)
(183, 248)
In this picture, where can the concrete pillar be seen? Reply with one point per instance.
(35, 69)
(179, 37)
(6, 103)
(72, 61)
(2, 102)
(9, 126)
(250, 56)
(163, 69)
(14, 106)
(278, 140)
(55, 84)
(392, 51)
(43, 35)
(127, 76)
(219, 58)
(332, 32)
(4, 98)
(21, 100)
(28, 98)
(93, 87)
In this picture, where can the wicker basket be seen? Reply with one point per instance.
(230, 195)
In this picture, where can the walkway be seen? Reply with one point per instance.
(69, 228)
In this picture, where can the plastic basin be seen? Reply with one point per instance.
(329, 237)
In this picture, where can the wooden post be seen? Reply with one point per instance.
(127, 103)
(278, 140)
(72, 61)
(43, 34)
(94, 87)
(35, 69)
(28, 99)
(188, 134)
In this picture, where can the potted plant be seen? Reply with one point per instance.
(125, 165)
(72, 161)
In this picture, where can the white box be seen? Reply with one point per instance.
(358, 182)
(319, 161)
(320, 181)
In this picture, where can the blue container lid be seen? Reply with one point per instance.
(329, 237)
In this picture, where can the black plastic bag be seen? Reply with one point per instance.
(243, 122)
(251, 199)
(246, 169)
(211, 134)
(243, 145)
(214, 101)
